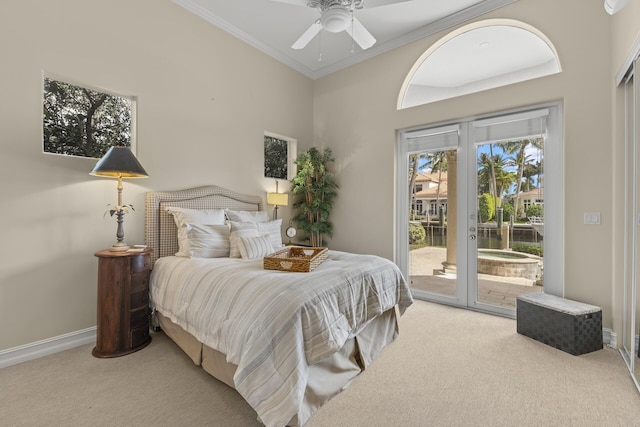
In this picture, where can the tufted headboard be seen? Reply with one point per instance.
(160, 232)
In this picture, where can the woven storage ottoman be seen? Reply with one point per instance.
(567, 325)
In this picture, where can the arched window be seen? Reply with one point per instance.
(479, 56)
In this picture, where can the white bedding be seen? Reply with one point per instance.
(274, 324)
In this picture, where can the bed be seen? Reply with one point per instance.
(286, 341)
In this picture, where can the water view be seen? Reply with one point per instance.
(520, 234)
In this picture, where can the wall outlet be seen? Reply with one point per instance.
(592, 218)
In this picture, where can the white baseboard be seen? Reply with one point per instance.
(609, 338)
(24, 353)
(37, 349)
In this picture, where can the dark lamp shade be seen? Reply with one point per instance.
(119, 162)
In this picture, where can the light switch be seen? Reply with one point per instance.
(592, 218)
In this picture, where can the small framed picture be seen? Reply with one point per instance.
(279, 155)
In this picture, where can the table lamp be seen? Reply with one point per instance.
(119, 162)
(277, 199)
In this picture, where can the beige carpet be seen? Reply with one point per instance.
(449, 367)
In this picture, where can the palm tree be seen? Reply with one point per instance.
(414, 165)
(504, 179)
(527, 177)
(487, 165)
(485, 178)
(539, 172)
(521, 159)
(437, 161)
(492, 175)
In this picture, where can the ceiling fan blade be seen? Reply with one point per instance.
(376, 3)
(360, 34)
(308, 35)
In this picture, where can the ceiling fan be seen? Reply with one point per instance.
(336, 16)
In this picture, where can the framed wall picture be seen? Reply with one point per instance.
(279, 155)
(82, 121)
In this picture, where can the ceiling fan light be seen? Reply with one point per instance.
(335, 20)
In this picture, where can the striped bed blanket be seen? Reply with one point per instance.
(273, 325)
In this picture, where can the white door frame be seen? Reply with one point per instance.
(467, 254)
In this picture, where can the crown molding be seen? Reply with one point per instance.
(614, 6)
(429, 29)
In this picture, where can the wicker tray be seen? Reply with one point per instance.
(294, 258)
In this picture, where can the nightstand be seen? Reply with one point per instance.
(123, 302)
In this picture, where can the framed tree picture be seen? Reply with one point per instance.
(279, 155)
(85, 122)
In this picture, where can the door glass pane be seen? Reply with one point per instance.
(628, 330)
(510, 219)
(631, 273)
(432, 225)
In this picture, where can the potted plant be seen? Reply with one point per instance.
(314, 191)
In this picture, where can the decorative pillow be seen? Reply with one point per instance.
(238, 230)
(255, 247)
(274, 230)
(208, 241)
(184, 216)
(248, 216)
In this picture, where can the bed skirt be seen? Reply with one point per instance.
(326, 379)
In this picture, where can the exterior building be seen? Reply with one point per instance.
(428, 195)
(530, 198)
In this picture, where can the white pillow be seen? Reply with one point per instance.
(238, 230)
(248, 216)
(184, 216)
(255, 247)
(208, 241)
(274, 230)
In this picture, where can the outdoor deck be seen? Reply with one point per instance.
(495, 290)
(489, 291)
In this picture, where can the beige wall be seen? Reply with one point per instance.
(354, 113)
(625, 33)
(204, 101)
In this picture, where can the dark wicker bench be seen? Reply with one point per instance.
(567, 325)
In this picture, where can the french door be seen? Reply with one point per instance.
(479, 209)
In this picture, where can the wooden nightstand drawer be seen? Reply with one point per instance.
(140, 264)
(139, 282)
(139, 299)
(139, 317)
(123, 302)
(139, 336)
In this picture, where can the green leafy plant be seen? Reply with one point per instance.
(528, 249)
(486, 208)
(507, 212)
(314, 190)
(535, 210)
(417, 235)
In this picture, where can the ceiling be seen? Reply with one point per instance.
(272, 26)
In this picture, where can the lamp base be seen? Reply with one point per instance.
(119, 247)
